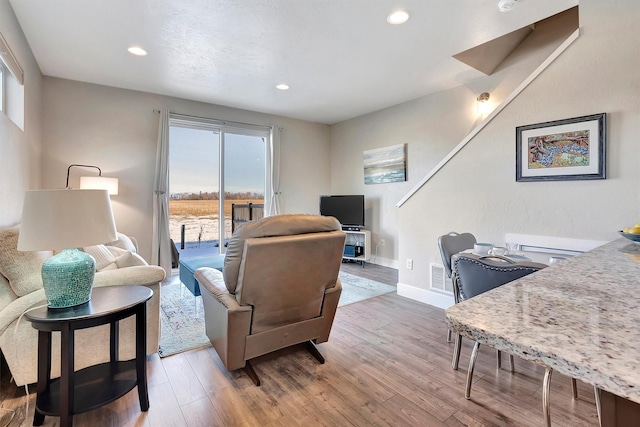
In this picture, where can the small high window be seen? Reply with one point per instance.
(11, 85)
(1, 87)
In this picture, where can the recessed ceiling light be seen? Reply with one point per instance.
(398, 17)
(138, 51)
(282, 86)
(506, 5)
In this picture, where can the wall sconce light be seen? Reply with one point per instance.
(482, 103)
(95, 182)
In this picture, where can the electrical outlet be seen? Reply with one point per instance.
(409, 264)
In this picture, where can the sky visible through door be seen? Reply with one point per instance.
(194, 172)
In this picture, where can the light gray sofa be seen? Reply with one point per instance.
(117, 264)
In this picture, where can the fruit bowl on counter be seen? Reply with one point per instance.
(633, 237)
(632, 233)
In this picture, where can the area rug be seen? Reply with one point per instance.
(355, 288)
(182, 325)
(182, 316)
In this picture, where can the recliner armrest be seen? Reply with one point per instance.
(227, 323)
(212, 281)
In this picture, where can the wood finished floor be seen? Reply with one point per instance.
(388, 364)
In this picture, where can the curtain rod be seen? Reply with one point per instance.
(209, 119)
(226, 122)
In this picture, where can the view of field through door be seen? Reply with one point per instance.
(201, 185)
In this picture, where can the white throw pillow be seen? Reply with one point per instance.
(123, 242)
(112, 266)
(101, 254)
(129, 259)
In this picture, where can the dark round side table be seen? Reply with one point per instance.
(89, 388)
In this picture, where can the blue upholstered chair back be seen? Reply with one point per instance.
(477, 275)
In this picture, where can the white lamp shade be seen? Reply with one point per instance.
(63, 219)
(100, 183)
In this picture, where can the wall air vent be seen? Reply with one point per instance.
(439, 280)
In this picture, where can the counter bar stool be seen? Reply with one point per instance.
(451, 244)
(477, 275)
(546, 396)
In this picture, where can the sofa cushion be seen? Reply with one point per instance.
(112, 257)
(129, 259)
(101, 254)
(112, 266)
(123, 242)
(21, 268)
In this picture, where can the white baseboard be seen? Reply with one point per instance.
(437, 299)
(385, 262)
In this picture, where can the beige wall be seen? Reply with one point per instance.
(430, 126)
(19, 150)
(477, 191)
(116, 129)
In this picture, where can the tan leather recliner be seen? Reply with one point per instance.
(279, 287)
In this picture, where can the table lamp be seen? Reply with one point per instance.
(95, 182)
(66, 220)
(99, 183)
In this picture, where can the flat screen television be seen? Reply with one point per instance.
(349, 210)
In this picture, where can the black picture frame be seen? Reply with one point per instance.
(561, 150)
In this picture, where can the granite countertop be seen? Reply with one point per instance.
(580, 317)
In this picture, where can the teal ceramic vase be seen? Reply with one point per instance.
(68, 278)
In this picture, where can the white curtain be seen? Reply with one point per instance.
(273, 180)
(161, 254)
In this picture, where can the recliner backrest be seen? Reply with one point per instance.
(452, 243)
(284, 272)
(284, 278)
(278, 225)
(477, 275)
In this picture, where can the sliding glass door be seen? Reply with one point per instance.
(217, 180)
(244, 179)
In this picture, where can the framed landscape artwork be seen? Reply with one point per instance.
(388, 164)
(569, 149)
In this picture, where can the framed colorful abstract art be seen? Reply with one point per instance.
(569, 149)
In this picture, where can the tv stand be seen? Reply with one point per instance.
(357, 245)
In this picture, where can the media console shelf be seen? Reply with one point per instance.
(357, 246)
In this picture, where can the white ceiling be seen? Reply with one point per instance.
(340, 57)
